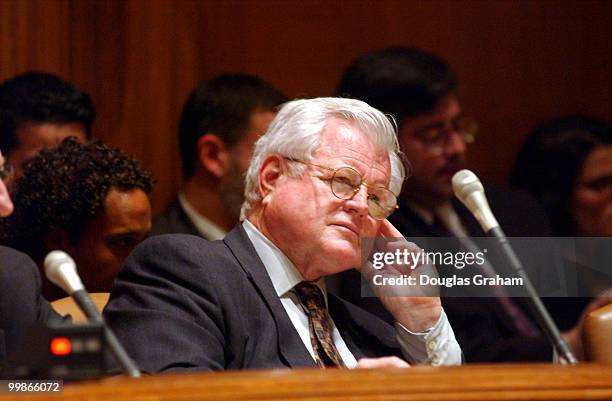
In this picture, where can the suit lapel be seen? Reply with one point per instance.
(363, 333)
(339, 315)
(290, 344)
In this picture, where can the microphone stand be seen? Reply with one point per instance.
(469, 190)
(61, 270)
(541, 313)
(82, 298)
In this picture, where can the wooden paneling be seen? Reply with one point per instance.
(518, 62)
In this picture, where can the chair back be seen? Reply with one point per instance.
(67, 306)
(597, 335)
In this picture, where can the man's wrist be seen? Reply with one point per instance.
(418, 321)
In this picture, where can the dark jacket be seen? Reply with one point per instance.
(21, 305)
(181, 302)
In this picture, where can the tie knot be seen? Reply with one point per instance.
(310, 295)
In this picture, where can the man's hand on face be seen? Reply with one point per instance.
(415, 306)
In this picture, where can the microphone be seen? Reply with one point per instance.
(61, 270)
(469, 190)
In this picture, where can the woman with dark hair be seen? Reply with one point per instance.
(566, 164)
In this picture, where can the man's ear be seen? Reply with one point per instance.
(213, 155)
(271, 173)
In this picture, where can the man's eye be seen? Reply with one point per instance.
(431, 135)
(343, 181)
(599, 184)
(124, 242)
(374, 198)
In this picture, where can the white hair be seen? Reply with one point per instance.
(296, 133)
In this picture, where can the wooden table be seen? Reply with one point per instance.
(472, 382)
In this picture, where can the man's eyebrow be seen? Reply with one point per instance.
(426, 127)
(436, 124)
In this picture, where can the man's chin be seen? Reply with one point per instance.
(445, 177)
(443, 184)
(447, 193)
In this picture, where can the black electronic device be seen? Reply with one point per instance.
(63, 352)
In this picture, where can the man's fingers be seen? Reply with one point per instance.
(384, 362)
(387, 230)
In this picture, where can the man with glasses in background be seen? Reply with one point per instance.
(323, 177)
(419, 90)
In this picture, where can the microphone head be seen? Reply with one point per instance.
(469, 190)
(465, 182)
(61, 270)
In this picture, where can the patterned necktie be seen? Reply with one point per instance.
(326, 353)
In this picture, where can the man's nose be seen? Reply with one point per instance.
(359, 202)
(455, 144)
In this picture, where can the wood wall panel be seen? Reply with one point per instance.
(518, 62)
(33, 37)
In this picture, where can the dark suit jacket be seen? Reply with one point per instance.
(173, 220)
(21, 305)
(181, 302)
(483, 329)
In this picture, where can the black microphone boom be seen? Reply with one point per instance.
(469, 190)
(60, 269)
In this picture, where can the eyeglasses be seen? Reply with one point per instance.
(346, 182)
(6, 169)
(437, 136)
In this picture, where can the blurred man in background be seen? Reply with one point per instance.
(37, 111)
(419, 90)
(220, 123)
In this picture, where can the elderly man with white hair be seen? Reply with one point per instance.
(324, 176)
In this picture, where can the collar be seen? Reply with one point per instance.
(426, 215)
(446, 213)
(449, 217)
(207, 228)
(283, 273)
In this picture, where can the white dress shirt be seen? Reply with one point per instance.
(437, 345)
(446, 214)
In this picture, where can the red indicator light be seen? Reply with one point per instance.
(60, 346)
